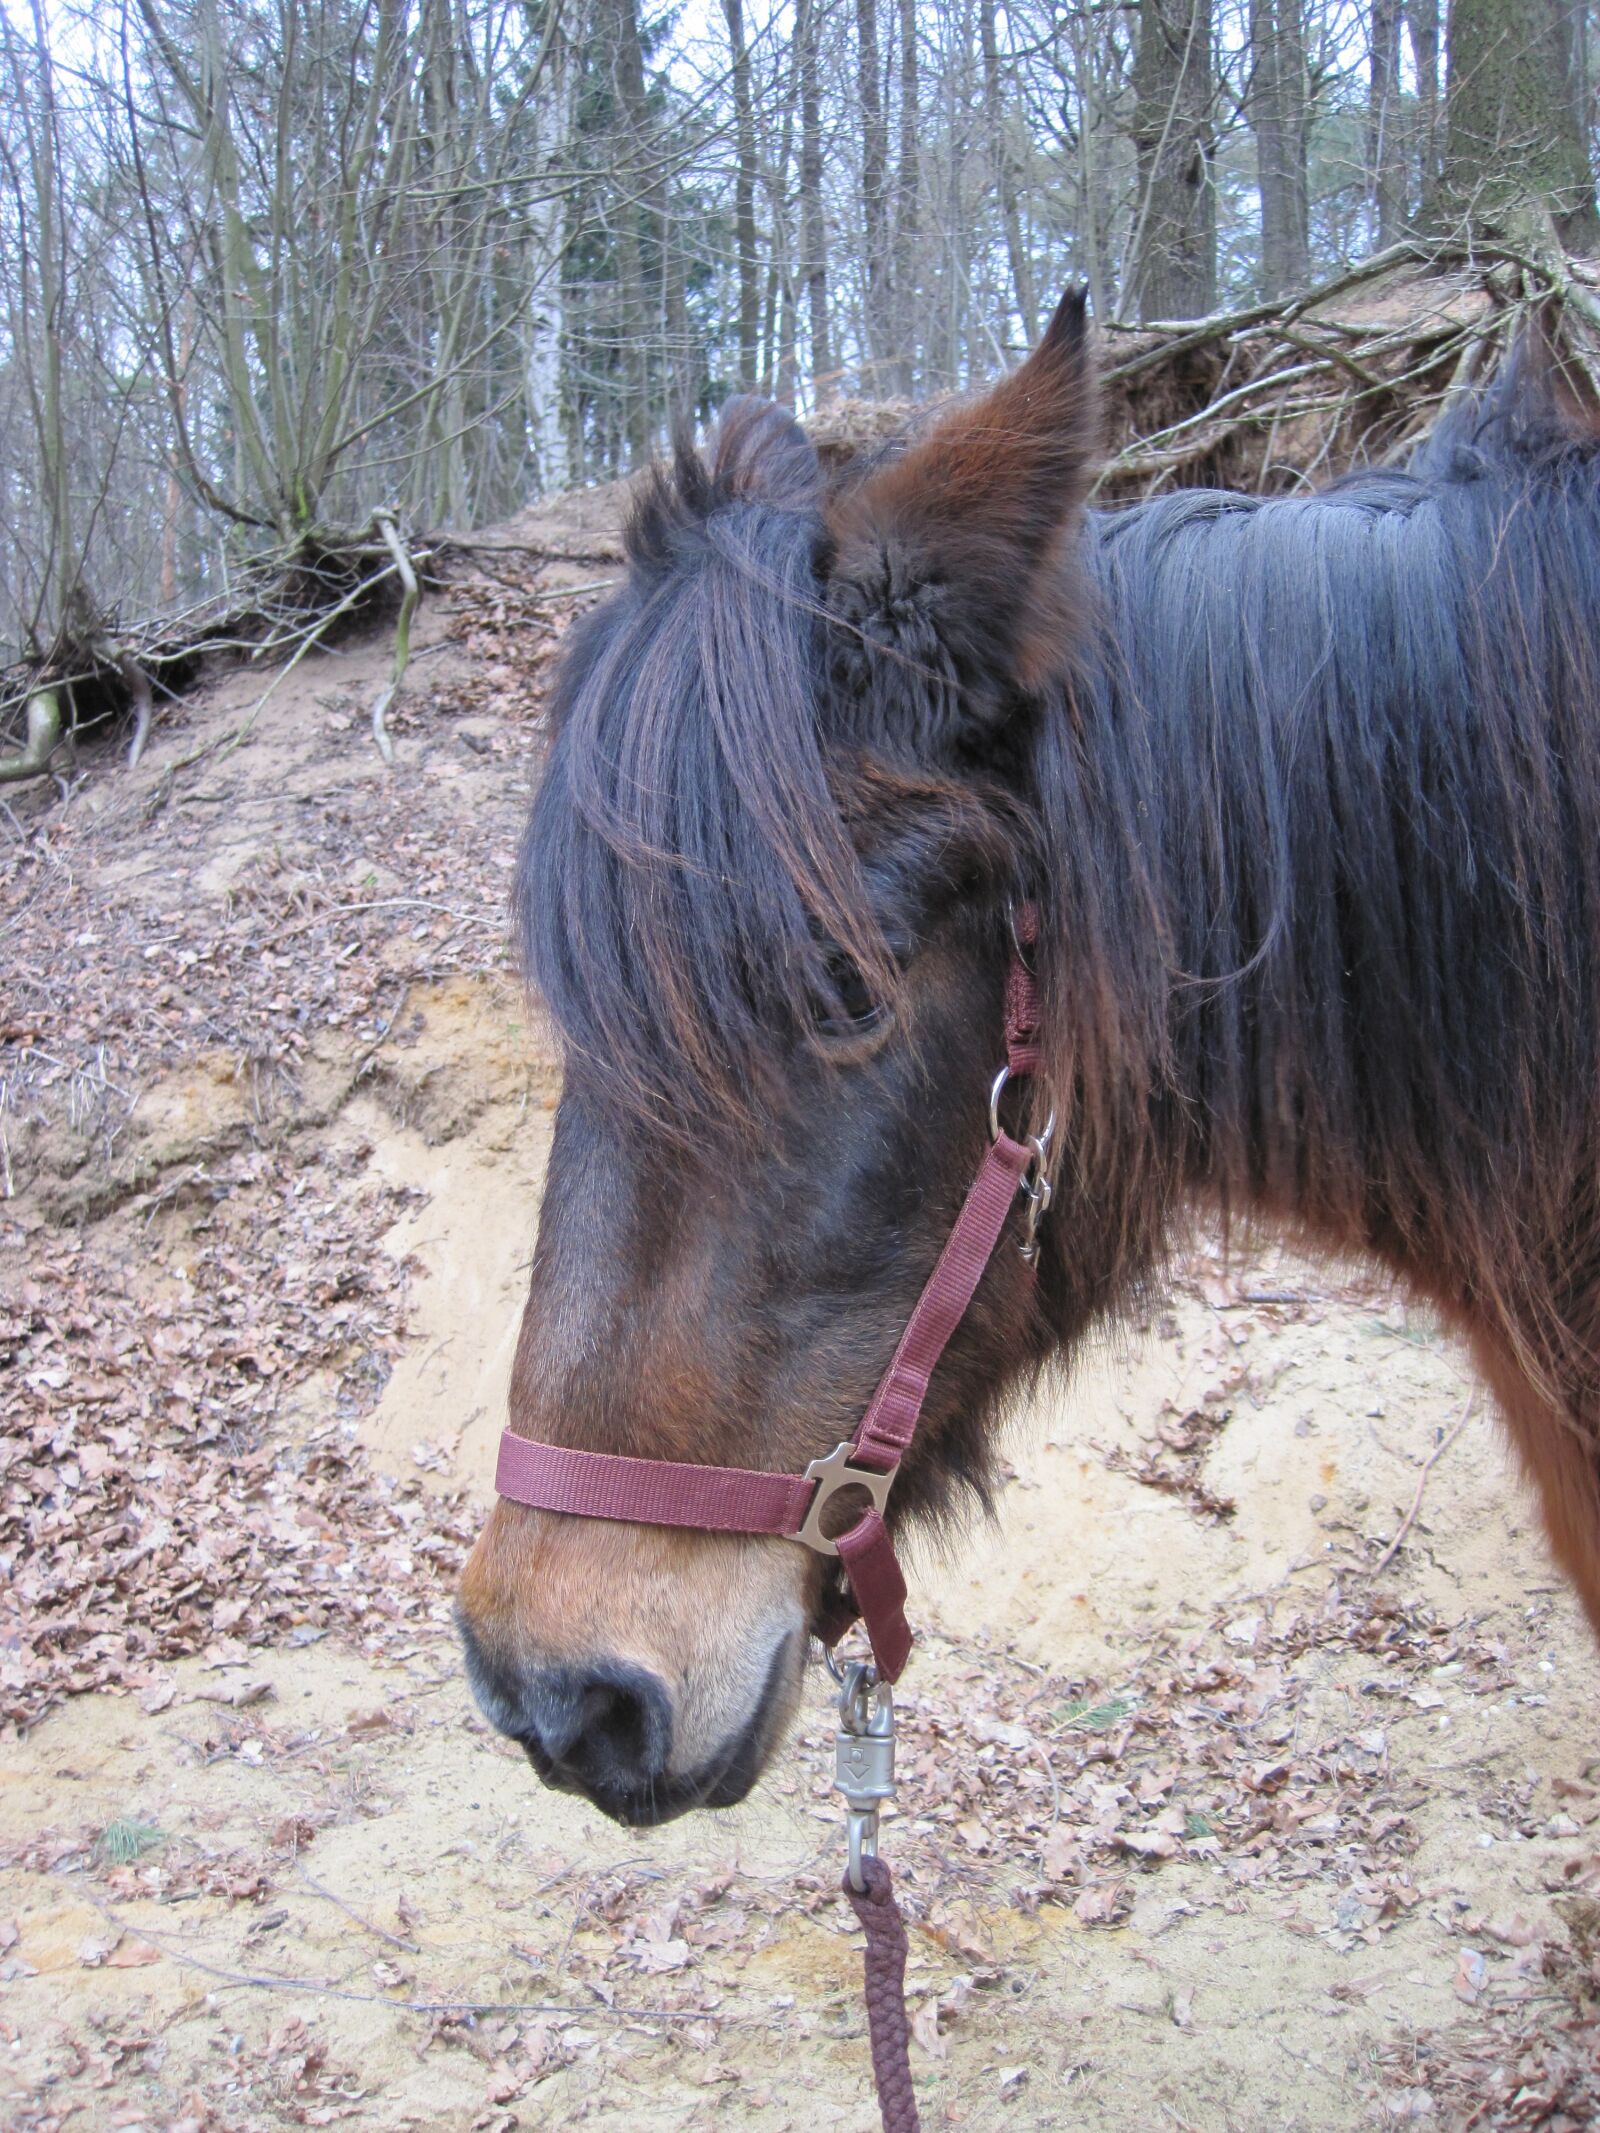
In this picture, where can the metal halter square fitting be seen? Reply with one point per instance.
(720, 1499)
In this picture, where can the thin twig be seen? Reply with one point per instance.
(368, 1925)
(273, 1981)
(331, 913)
(1428, 1466)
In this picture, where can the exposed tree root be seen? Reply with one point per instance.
(287, 603)
(44, 732)
(137, 683)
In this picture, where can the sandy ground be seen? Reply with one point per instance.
(304, 1885)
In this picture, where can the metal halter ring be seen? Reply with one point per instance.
(1041, 1140)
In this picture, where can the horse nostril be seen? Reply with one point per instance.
(606, 1728)
(617, 1721)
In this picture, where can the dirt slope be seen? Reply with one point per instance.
(1211, 1817)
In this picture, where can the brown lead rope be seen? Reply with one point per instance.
(863, 1770)
(885, 1929)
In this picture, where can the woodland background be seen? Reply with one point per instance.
(269, 267)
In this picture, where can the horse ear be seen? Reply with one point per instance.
(953, 559)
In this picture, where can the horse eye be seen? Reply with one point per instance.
(851, 1013)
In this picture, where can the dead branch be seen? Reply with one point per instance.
(384, 522)
(1264, 398)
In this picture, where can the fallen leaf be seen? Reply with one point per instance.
(1063, 1853)
(1471, 1974)
(237, 1695)
(925, 2030)
(1147, 1844)
(1512, 1932)
(1098, 1906)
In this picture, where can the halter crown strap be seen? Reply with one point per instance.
(721, 1499)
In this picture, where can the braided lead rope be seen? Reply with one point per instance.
(880, 1920)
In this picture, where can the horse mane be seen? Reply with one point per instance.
(688, 894)
(1325, 806)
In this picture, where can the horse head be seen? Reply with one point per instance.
(763, 895)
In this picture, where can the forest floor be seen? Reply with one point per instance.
(1251, 1770)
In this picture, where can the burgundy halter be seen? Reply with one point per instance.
(719, 1499)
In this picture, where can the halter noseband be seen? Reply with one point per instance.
(720, 1499)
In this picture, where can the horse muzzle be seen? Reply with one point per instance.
(604, 1729)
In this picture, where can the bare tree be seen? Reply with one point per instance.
(1278, 115)
(1515, 160)
(1172, 266)
(744, 197)
(907, 209)
(813, 214)
(1386, 148)
(878, 267)
(1422, 25)
(998, 122)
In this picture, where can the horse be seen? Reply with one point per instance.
(1305, 792)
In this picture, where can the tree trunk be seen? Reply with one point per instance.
(44, 199)
(813, 223)
(1005, 170)
(907, 211)
(633, 321)
(874, 195)
(1515, 160)
(1278, 118)
(1386, 148)
(1422, 20)
(547, 216)
(1172, 271)
(744, 199)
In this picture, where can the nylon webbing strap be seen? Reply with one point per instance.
(890, 1423)
(660, 1492)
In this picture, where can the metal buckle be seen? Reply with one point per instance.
(831, 1475)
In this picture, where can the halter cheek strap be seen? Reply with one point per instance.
(720, 1499)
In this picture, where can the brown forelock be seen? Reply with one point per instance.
(927, 840)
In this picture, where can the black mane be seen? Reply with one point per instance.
(1326, 813)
